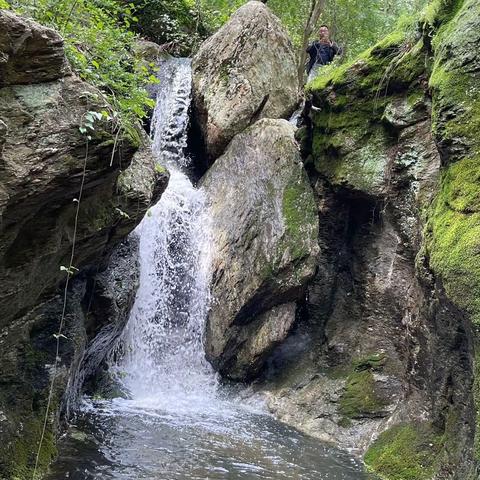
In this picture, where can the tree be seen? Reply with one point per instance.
(316, 9)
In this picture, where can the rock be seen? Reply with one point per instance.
(245, 72)
(149, 51)
(45, 161)
(29, 52)
(41, 168)
(27, 355)
(265, 224)
(112, 294)
(257, 340)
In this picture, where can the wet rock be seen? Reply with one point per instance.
(111, 296)
(245, 72)
(41, 165)
(265, 223)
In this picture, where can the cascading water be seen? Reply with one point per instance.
(177, 423)
(161, 352)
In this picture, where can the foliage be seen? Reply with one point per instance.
(355, 24)
(99, 45)
(180, 25)
(4, 4)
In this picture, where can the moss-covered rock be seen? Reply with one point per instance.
(454, 220)
(405, 452)
(264, 219)
(397, 128)
(360, 398)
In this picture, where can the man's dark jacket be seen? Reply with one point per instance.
(321, 53)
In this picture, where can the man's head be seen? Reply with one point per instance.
(324, 33)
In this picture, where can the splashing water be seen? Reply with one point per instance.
(162, 360)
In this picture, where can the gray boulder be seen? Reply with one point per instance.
(29, 52)
(245, 72)
(264, 220)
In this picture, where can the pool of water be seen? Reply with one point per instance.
(122, 439)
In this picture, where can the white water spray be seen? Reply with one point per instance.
(161, 352)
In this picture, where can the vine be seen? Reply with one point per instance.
(85, 128)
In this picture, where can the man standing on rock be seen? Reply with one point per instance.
(321, 51)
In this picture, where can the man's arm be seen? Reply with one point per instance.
(337, 50)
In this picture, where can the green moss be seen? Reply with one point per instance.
(299, 213)
(439, 12)
(350, 144)
(405, 452)
(361, 169)
(415, 98)
(360, 398)
(456, 90)
(376, 362)
(25, 450)
(370, 70)
(453, 235)
(413, 64)
(160, 169)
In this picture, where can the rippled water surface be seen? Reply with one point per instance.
(122, 440)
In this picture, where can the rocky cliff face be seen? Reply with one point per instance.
(388, 339)
(45, 161)
(381, 357)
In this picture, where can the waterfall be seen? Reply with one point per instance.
(177, 423)
(160, 358)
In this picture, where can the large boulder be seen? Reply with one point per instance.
(45, 162)
(245, 72)
(264, 220)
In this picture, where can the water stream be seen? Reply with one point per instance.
(177, 421)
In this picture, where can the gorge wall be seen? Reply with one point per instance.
(345, 272)
(45, 162)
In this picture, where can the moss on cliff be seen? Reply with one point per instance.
(453, 235)
(361, 108)
(351, 142)
(360, 398)
(405, 452)
(25, 450)
(299, 213)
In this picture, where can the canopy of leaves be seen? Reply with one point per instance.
(355, 24)
(180, 25)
